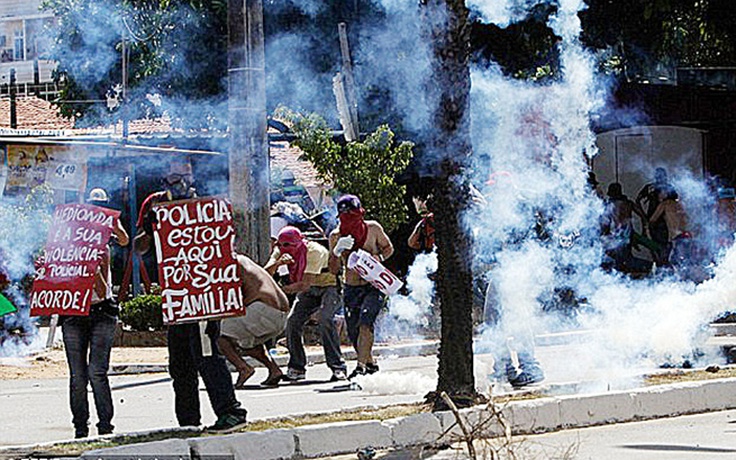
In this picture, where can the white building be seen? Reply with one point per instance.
(23, 44)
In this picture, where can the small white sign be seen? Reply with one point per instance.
(373, 271)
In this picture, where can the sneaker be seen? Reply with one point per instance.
(359, 370)
(339, 375)
(293, 375)
(371, 368)
(81, 433)
(228, 423)
(527, 376)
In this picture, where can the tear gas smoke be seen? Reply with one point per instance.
(415, 307)
(538, 136)
(23, 228)
(395, 383)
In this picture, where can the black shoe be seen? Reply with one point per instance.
(359, 370)
(371, 368)
(104, 432)
(527, 376)
(338, 375)
(228, 423)
(81, 433)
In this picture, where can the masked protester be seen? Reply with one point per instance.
(193, 347)
(316, 290)
(88, 341)
(362, 301)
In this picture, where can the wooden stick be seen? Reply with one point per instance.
(458, 417)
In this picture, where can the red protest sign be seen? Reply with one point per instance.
(196, 266)
(76, 243)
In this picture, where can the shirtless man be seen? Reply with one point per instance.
(678, 237)
(362, 301)
(266, 311)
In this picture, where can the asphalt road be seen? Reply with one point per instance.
(35, 411)
(38, 411)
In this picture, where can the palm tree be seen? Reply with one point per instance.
(446, 25)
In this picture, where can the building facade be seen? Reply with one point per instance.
(24, 44)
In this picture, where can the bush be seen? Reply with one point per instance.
(143, 313)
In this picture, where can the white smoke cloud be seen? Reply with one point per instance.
(415, 307)
(537, 138)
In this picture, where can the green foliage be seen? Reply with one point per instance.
(175, 48)
(364, 168)
(142, 313)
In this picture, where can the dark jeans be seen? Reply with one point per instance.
(87, 341)
(327, 301)
(187, 363)
(362, 306)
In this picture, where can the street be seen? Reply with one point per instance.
(41, 412)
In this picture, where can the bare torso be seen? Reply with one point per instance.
(259, 285)
(376, 243)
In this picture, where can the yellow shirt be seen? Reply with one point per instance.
(317, 264)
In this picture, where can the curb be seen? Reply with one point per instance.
(523, 417)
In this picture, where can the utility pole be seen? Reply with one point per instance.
(13, 102)
(248, 151)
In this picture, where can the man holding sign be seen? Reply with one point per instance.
(362, 300)
(201, 283)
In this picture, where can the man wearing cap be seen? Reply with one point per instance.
(193, 350)
(362, 301)
(316, 290)
(88, 340)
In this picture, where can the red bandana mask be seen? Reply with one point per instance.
(352, 223)
(291, 241)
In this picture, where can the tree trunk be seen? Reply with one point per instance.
(446, 26)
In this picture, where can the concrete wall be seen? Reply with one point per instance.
(630, 155)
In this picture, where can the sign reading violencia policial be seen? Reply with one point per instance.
(76, 244)
(197, 269)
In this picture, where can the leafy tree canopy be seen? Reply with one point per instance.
(176, 57)
(364, 168)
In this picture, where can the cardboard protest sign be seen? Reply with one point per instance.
(75, 246)
(5, 306)
(373, 271)
(196, 265)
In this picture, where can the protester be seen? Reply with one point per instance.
(193, 349)
(649, 196)
(362, 301)
(316, 290)
(88, 341)
(422, 237)
(725, 216)
(678, 250)
(266, 310)
(618, 226)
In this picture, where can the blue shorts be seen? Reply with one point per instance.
(362, 306)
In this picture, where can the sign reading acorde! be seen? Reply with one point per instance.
(76, 243)
(196, 266)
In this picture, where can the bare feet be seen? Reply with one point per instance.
(243, 376)
(273, 379)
